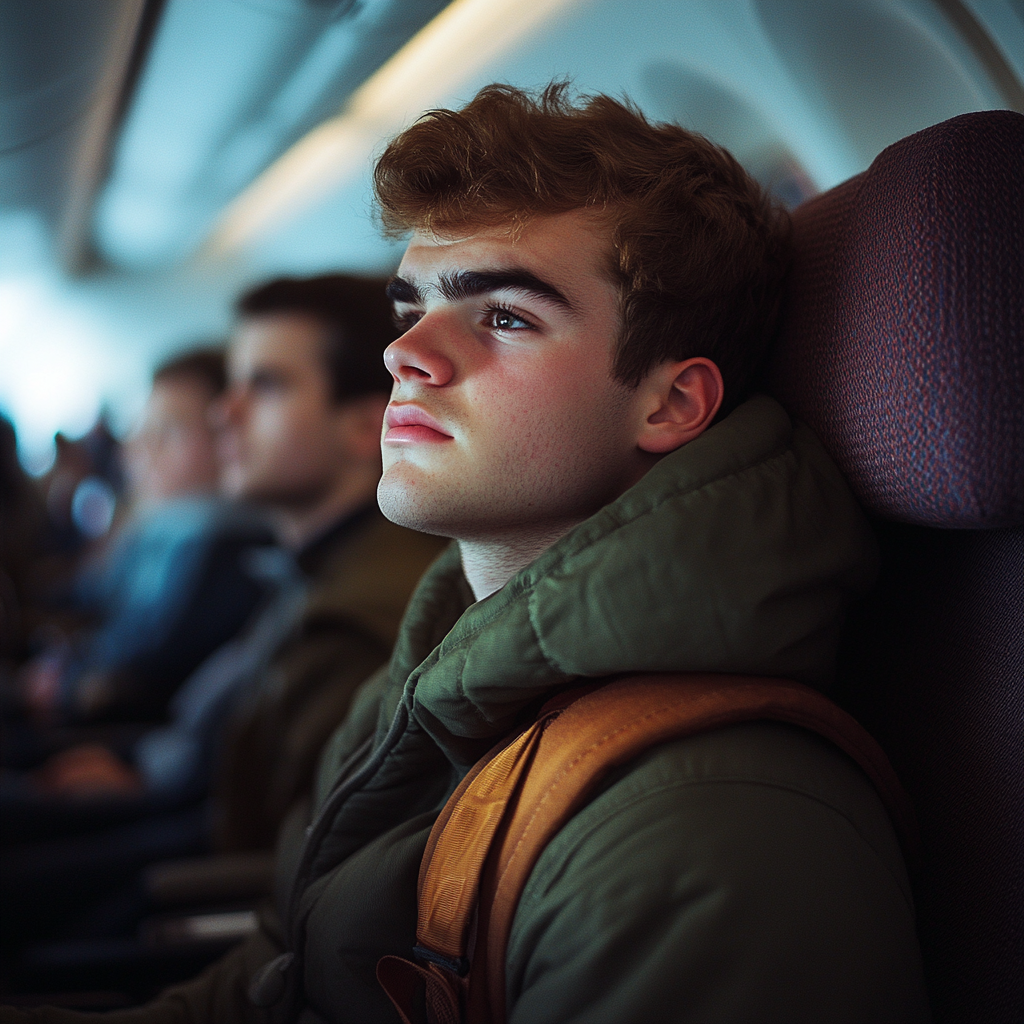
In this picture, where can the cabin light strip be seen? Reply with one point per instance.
(446, 52)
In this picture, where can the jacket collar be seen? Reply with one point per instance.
(736, 553)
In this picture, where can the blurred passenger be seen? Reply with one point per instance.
(175, 583)
(93, 458)
(300, 436)
(173, 453)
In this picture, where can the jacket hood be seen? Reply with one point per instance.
(736, 553)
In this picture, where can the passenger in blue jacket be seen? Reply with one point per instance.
(177, 581)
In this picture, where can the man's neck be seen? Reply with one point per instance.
(489, 564)
(297, 526)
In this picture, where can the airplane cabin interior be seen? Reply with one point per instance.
(159, 158)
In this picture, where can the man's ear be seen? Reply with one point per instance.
(680, 401)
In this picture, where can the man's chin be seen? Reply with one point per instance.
(402, 501)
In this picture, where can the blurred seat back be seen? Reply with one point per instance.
(902, 345)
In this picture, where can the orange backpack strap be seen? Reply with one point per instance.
(498, 822)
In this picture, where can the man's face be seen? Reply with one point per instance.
(504, 415)
(282, 440)
(172, 452)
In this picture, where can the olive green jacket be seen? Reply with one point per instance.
(746, 874)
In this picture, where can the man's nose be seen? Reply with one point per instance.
(418, 356)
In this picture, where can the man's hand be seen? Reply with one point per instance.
(88, 770)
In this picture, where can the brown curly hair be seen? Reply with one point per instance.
(697, 247)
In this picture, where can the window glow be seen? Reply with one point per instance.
(51, 368)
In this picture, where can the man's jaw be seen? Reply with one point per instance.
(406, 423)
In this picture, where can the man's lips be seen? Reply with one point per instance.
(408, 424)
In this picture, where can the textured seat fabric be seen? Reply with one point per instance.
(902, 336)
(931, 666)
(903, 346)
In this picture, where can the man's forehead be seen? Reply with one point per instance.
(442, 239)
(430, 255)
(176, 398)
(284, 336)
(557, 249)
(272, 325)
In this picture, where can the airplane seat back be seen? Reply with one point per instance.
(902, 345)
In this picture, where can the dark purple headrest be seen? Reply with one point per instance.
(902, 339)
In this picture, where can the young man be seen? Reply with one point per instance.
(586, 301)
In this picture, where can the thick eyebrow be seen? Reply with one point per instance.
(400, 290)
(464, 284)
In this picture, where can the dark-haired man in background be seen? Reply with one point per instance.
(300, 427)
